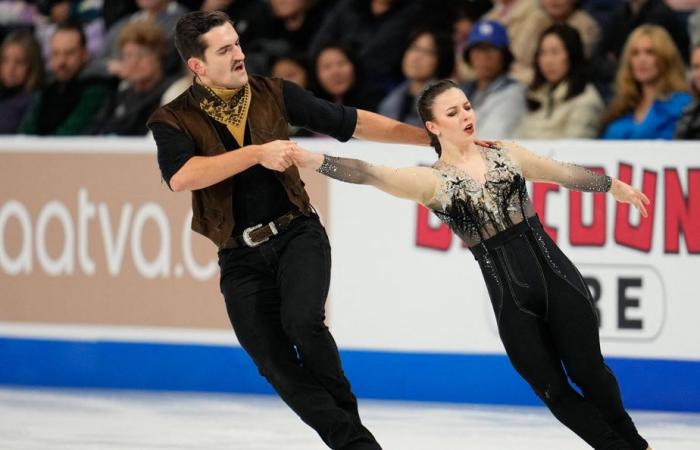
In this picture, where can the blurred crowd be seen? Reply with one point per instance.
(535, 69)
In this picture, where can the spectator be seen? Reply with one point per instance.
(627, 18)
(694, 28)
(163, 13)
(497, 99)
(21, 75)
(569, 12)
(650, 88)
(633, 13)
(376, 30)
(290, 27)
(17, 15)
(561, 103)
(296, 21)
(86, 12)
(519, 18)
(464, 15)
(141, 49)
(338, 78)
(291, 67)
(67, 104)
(429, 56)
(689, 123)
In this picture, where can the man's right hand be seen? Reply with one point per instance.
(277, 155)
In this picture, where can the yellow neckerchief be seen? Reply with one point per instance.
(228, 106)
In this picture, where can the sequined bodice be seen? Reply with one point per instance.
(476, 211)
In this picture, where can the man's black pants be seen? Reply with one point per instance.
(275, 297)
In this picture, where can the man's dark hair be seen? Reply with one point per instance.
(72, 25)
(191, 27)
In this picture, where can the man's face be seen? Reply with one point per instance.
(487, 62)
(68, 56)
(223, 64)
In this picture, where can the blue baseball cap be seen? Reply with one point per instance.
(487, 32)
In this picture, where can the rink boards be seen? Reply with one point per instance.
(103, 285)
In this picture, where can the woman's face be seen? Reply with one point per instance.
(454, 120)
(420, 60)
(553, 59)
(558, 10)
(695, 68)
(14, 67)
(289, 70)
(141, 64)
(643, 61)
(335, 72)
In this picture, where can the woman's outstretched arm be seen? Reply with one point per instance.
(413, 183)
(539, 168)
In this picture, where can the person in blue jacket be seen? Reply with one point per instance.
(650, 90)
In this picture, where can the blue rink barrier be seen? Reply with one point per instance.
(653, 384)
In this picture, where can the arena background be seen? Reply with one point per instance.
(103, 285)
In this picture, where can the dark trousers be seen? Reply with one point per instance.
(549, 328)
(275, 297)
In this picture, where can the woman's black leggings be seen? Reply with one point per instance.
(549, 328)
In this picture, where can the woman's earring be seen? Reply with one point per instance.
(438, 134)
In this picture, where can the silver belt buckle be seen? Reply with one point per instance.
(249, 240)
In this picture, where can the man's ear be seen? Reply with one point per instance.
(196, 65)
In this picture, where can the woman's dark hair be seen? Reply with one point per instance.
(191, 27)
(444, 48)
(576, 75)
(425, 106)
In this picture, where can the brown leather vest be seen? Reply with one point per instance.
(212, 207)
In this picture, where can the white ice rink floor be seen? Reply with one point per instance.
(84, 419)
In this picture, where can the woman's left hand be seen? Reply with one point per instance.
(624, 193)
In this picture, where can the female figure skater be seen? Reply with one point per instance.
(543, 307)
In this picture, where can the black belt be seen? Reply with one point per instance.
(257, 234)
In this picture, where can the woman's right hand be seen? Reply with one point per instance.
(305, 159)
